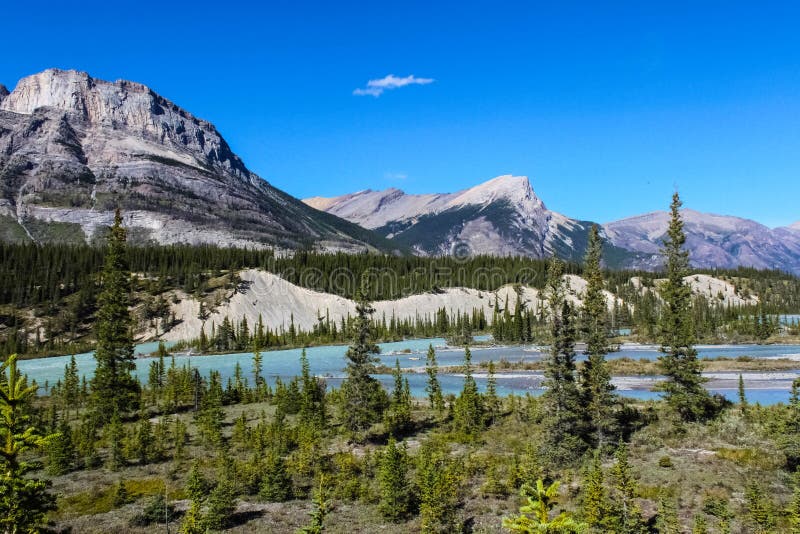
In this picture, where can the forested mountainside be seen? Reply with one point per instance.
(48, 295)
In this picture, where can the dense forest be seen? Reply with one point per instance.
(186, 452)
(48, 296)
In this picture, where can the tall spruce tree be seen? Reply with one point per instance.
(595, 497)
(564, 424)
(23, 501)
(398, 417)
(433, 388)
(312, 395)
(469, 410)
(364, 398)
(598, 396)
(684, 390)
(395, 491)
(113, 387)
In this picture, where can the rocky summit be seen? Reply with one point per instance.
(73, 148)
(504, 216)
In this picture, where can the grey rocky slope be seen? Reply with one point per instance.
(73, 148)
(504, 216)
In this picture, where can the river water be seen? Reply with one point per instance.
(328, 362)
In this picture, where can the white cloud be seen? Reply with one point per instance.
(377, 87)
(394, 176)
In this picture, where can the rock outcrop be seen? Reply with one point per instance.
(73, 148)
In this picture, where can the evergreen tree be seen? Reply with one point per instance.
(221, 505)
(793, 510)
(491, 400)
(312, 401)
(395, 495)
(598, 393)
(700, 525)
(114, 434)
(535, 517)
(595, 499)
(321, 510)
(439, 482)
(564, 423)
(258, 369)
(624, 515)
(23, 501)
(71, 386)
(433, 388)
(144, 441)
(61, 451)
(398, 417)
(468, 411)
(121, 496)
(742, 396)
(364, 398)
(667, 515)
(684, 390)
(761, 514)
(113, 387)
(276, 485)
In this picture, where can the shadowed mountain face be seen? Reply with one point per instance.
(504, 216)
(73, 148)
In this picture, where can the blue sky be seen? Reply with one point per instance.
(606, 106)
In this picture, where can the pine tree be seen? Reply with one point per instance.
(596, 384)
(700, 525)
(276, 485)
(761, 514)
(71, 386)
(742, 396)
(395, 496)
(144, 441)
(535, 517)
(468, 411)
(258, 369)
(398, 417)
(221, 505)
(793, 510)
(321, 510)
(61, 451)
(113, 387)
(433, 388)
(667, 515)
(23, 501)
(364, 398)
(121, 496)
(114, 434)
(312, 395)
(624, 515)
(491, 400)
(684, 390)
(564, 424)
(439, 481)
(595, 500)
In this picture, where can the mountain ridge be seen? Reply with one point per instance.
(73, 148)
(635, 242)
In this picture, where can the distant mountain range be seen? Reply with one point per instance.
(504, 216)
(73, 148)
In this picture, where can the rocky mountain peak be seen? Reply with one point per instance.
(3, 92)
(128, 107)
(73, 148)
(516, 190)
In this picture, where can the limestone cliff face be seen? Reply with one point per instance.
(72, 148)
